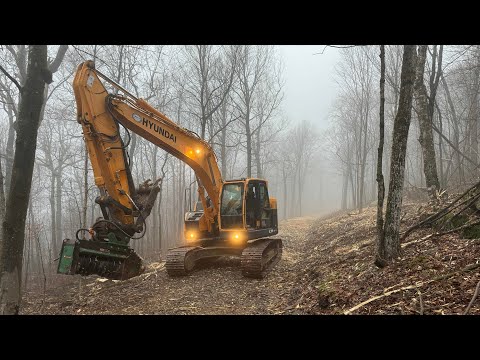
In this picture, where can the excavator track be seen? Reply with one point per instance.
(178, 262)
(260, 256)
(182, 260)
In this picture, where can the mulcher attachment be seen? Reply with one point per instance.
(106, 259)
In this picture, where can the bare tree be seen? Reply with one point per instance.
(209, 74)
(253, 63)
(13, 229)
(389, 248)
(380, 180)
(425, 119)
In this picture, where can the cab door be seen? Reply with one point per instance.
(258, 214)
(265, 211)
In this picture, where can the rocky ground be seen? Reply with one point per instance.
(327, 268)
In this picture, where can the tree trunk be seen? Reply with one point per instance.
(380, 180)
(58, 212)
(456, 130)
(390, 248)
(53, 217)
(442, 179)
(285, 194)
(363, 165)
(345, 190)
(473, 116)
(9, 151)
(257, 155)
(425, 122)
(2, 198)
(300, 192)
(249, 144)
(13, 229)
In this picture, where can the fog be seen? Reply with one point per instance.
(310, 90)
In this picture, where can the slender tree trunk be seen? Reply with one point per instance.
(2, 198)
(13, 229)
(223, 141)
(363, 164)
(456, 130)
(473, 116)
(380, 180)
(28, 249)
(425, 121)
(344, 191)
(53, 217)
(9, 151)
(442, 179)
(257, 155)
(300, 192)
(58, 211)
(390, 248)
(249, 144)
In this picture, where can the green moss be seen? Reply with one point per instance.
(472, 232)
(450, 222)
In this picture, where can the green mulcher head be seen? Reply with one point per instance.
(103, 258)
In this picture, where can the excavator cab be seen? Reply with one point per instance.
(249, 197)
(246, 211)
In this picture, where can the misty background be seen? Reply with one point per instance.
(310, 90)
(303, 117)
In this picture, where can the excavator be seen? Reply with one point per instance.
(231, 218)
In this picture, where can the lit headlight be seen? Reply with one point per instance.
(237, 238)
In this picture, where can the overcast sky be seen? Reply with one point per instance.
(309, 85)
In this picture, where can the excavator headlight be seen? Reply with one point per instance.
(198, 151)
(237, 238)
(191, 236)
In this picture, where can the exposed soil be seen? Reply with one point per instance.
(327, 268)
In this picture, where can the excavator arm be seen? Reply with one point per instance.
(125, 208)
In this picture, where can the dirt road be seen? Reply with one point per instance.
(216, 288)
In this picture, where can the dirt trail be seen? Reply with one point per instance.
(327, 268)
(216, 288)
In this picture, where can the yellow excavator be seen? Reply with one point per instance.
(234, 218)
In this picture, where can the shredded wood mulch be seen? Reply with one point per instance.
(327, 268)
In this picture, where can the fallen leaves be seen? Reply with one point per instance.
(326, 268)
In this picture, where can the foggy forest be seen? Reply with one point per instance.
(239, 179)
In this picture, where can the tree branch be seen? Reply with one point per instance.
(11, 78)
(54, 65)
(475, 295)
(416, 286)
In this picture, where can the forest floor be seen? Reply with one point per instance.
(327, 268)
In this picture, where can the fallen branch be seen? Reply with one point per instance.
(475, 295)
(416, 241)
(467, 225)
(382, 296)
(441, 213)
(441, 277)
